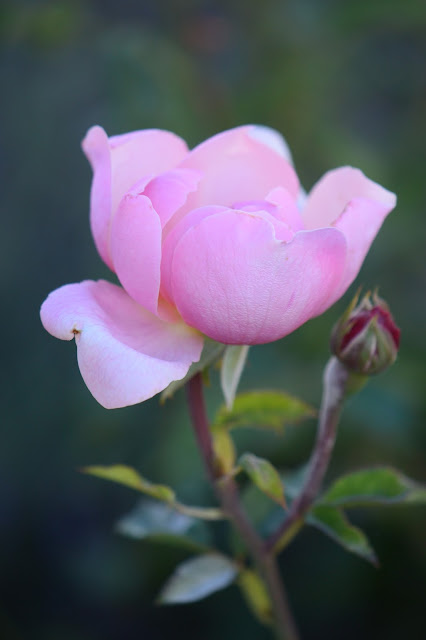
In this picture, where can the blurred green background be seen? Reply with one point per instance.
(345, 83)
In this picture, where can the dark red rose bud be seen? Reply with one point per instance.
(366, 338)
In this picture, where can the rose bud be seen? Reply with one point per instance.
(366, 338)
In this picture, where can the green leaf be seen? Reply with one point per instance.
(197, 578)
(212, 351)
(129, 477)
(256, 595)
(161, 523)
(334, 523)
(379, 486)
(265, 410)
(264, 475)
(233, 363)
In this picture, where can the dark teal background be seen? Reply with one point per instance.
(345, 83)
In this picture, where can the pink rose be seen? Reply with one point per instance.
(219, 241)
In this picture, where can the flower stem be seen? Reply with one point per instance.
(336, 382)
(228, 496)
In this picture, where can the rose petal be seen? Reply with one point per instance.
(169, 191)
(272, 139)
(287, 207)
(335, 190)
(118, 163)
(237, 166)
(235, 282)
(191, 219)
(125, 354)
(136, 249)
(360, 223)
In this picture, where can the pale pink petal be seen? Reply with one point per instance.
(169, 244)
(360, 223)
(287, 208)
(96, 147)
(169, 191)
(335, 190)
(136, 249)
(237, 166)
(118, 163)
(235, 282)
(272, 139)
(125, 354)
(269, 212)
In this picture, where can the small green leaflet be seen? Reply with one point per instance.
(233, 363)
(263, 410)
(378, 486)
(264, 475)
(129, 477)
(334, 523)
(197, 578)
(161, 523)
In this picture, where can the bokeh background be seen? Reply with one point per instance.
(345, 83)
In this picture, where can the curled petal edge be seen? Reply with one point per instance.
(125, 354)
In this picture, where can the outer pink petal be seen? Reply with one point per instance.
(125, 354)
(236, 283)
(118, 163)
(360, 223)
(237, 166)
(272, 139)
(335, 190)
(136, 249)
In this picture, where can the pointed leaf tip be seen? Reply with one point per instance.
(129, 477)
(377, 486)
(334, 523)
(264, 475)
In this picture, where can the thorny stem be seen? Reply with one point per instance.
(336, 382)
(227, 493)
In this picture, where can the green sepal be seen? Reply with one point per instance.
(334, 523)
(233, 362)
(197, 578)
(263, 410)
(264, 475)
(212, 351)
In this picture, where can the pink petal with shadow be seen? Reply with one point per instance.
(237, 166)
(169, 191)
(136, 249)
(360, 222)
(329, 197)
(234, 281)
(118, 163)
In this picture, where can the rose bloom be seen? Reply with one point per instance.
(219, 241)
